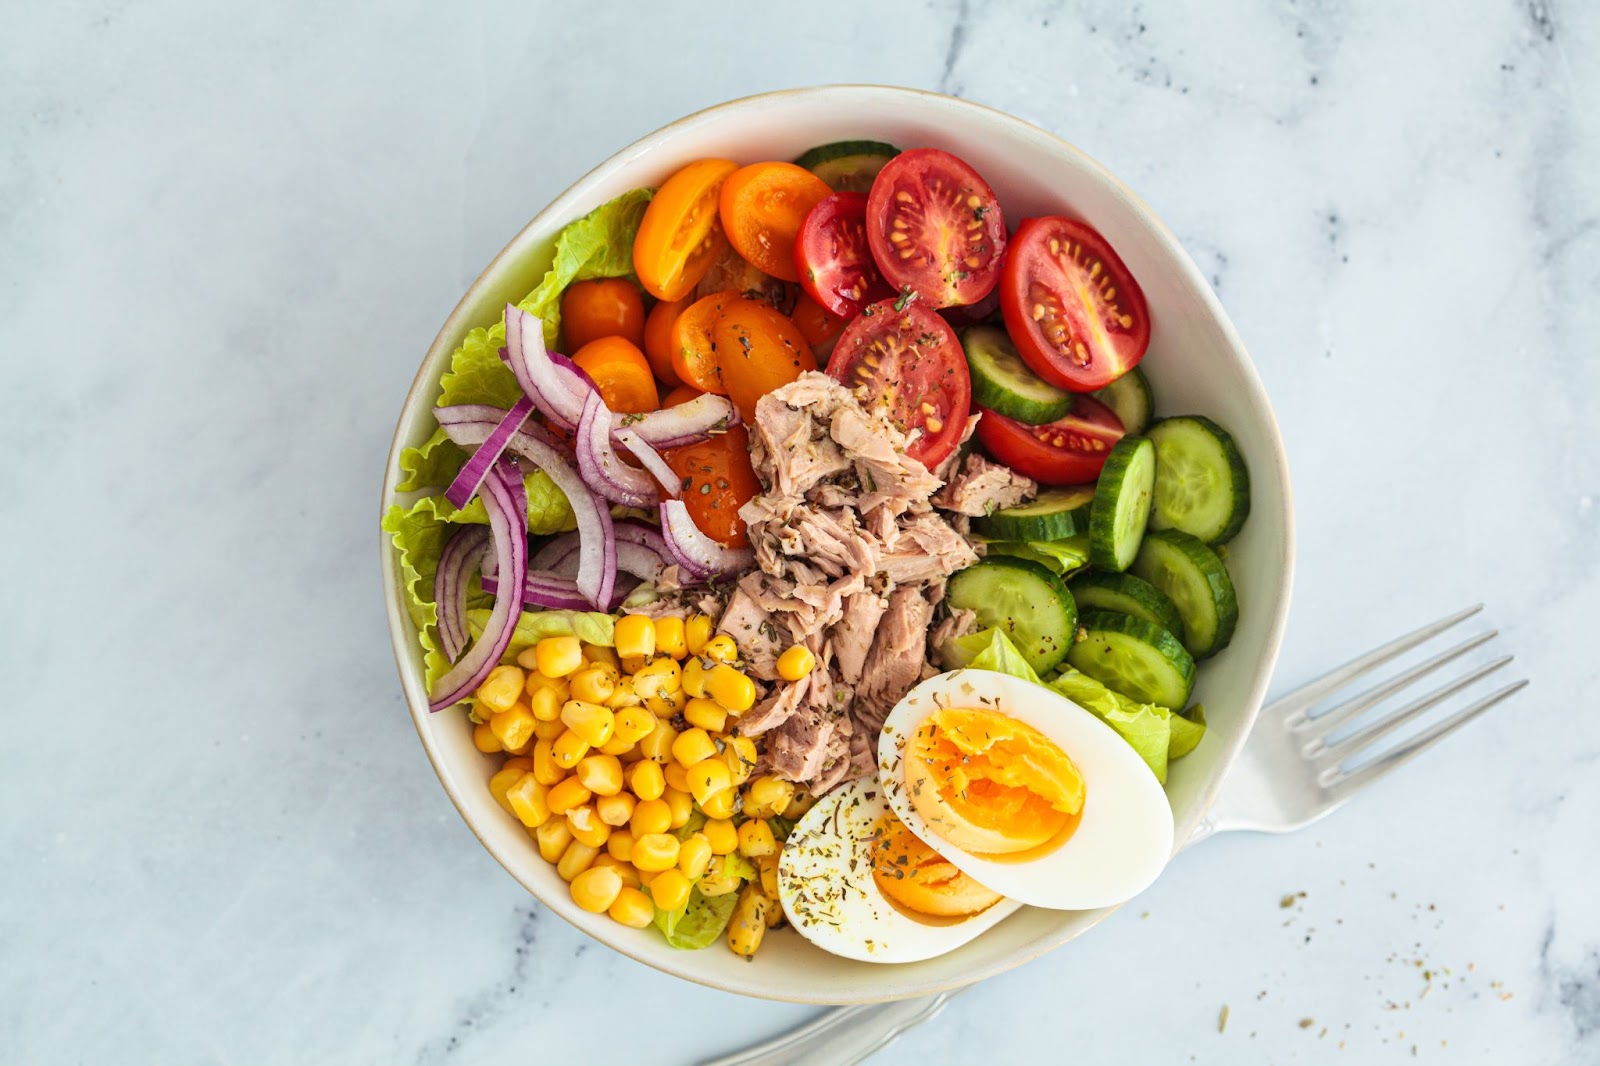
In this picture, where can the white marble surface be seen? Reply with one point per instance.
(229, 232)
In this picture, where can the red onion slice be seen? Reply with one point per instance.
(559, 547)
(476, 468)
(507, 503)
(651, 460)
(687, 423)
(602, 468)
(695, 553)
(634, 531)
(462, 554)
(557, 592)
(558, 389)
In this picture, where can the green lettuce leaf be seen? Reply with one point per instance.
(699, 922)
(549, 510)
(434, 465)
(1187, 729)
(1062, 556)
(598, 245)
(476, 374)
(591, 627)
(987, 649)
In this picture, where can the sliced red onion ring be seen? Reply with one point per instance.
(557, 592)
(476, 468)
(651, 460)
(462, 554)
(557, 389)
(687, 423)
(634, 531)
(695, 553)
(559, 547)
(640, 560)
(507, 503)
(602, 468)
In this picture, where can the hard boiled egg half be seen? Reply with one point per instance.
(1024, 791)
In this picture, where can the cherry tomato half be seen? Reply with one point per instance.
(620, 372)
(910, 364)
(1069, 451)
(1071, 305)
(658, 337)
(607, 307)
(834, 259)
(694, 358)
(820, 326)
(762, 208)
(757, 350)
(717, 480)
(935, 228)
(680, 235)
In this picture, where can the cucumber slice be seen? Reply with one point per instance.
(1131, 399)
(1198, 584)
(1054, 514)
(1002, 381)
(1202, 485)
(1023, 598)
(1134, 657)
(1129, 595)
(1122, 504)
(848, 166)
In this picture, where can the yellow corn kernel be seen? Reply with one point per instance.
(740, 755)
(671, 637)
(624, 869)
(615, 809)
(567, 794)
(650, 817)
(657, 744)
(518, 762)
(600, 774)
(645, 877)
(538, 682)
(620, 847)
(796, 662)
(616, 748)
(694, 855)
(721, 835)
(668, 704)
(503, 779)
(799, 805)
(767, 796)
(756, 839)
(545, 703)
(707, 714)
(720, 878)
(706, 777)
(661, 676)
(568, 749)
(680, 806)
(655, 852)
(631, 756)
(514, 726)
(632, 664)
(587, 827)
(548, 730)
(632, 908)
(553, 837)
(484, 740)
(596, 888)
(647, 780)
(501, 688)
(529, 801)
(722, 648)
(694, 676)
(593, 684)
(767, 866)
(676, 776)
(624, 696)
(692, 745)
(632, 724)
(697, 629)
(721, 804)
(558, 656)
(600, 655)
(577, 858)
(545, 768)
(731, 688)
(670, 889)
(749, 922)
(592, 722)
(635, 635)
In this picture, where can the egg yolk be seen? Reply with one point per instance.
(988, 783)
(919, 879)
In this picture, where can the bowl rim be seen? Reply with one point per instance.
(562, 205)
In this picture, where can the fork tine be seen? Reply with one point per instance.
(1313, 692)
(1331, 719)
(1398, 756)
(1363, 738)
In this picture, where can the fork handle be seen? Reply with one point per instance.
(841, 1037)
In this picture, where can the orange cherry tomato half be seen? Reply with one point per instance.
(762, 208)
(680, 236)
(658, 337)
(820, 326)
(621, 374)
(680, 395)
(694, 359)
(717, 479)
(608, 307)
(758, 350)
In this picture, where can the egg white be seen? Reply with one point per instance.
(826, 887)
(1124, 836)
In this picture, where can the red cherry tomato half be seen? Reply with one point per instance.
(1071, 305)
(1069, 451)
(909, 364)
(833, 258)
(935, 228)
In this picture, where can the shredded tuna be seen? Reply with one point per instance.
(983, 487)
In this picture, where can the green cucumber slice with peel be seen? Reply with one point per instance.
(848, 166)
(1137, 658)
(1131, 400)
(1202, 484)
(1189, 572)
(1100, 591)
(1121, 505)
(1002, 382)
(1025, 600)
(1054, 514)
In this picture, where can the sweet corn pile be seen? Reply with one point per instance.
(612, 750)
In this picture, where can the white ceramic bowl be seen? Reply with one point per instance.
(1196, 364)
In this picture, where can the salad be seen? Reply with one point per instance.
(793, 545)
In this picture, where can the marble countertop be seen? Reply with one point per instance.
(230, 231)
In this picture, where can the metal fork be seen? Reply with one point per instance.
(1296, 767)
